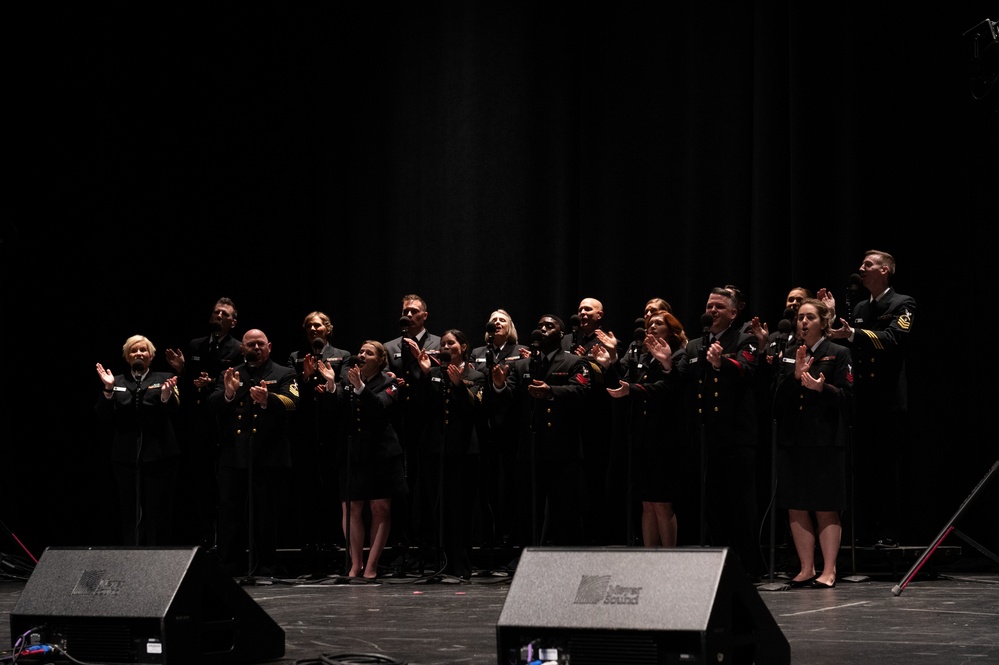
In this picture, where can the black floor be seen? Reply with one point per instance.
(948, 613)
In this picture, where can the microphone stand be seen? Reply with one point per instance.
(251, 558)
(852, 289)
(535, 368)
(138, 461)
(352, 438)
(441, 494)
(706, 340)
(778, 378)
(405, 358)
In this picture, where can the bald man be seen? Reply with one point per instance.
(254, 403)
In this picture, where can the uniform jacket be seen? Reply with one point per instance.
(454, 412)
(723, 400)
(141, 423)
(808, 417)
(247, 429)
(878, 350)
(553, 425)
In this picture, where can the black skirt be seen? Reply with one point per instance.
(812, 478)
(376, 479)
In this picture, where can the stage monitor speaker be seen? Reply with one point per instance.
(169, 606)
(590, 606)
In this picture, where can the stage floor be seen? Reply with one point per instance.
(948, 614)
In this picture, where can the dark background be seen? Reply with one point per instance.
(482, 156)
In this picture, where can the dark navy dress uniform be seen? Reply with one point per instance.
(145, 455)
(261, 436)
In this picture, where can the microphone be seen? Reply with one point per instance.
(574, 325)
(317, 347)
(706, 321)
(353, 361)
(855, 283)
(852, 290)
(490, 336)
(536, 337)
(783, 332)
(444, 358)
(639, 336)
(404, 324)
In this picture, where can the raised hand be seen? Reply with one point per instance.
(812, 383)
(176, 359)
(500, 372)
(231, 382)
(106, 377)
(802, 361)
(600, 353)
(660, 350)
(166, 388)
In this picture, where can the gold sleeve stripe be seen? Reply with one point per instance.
(874, 339)
(289, 404)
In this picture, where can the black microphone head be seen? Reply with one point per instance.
(706, 321)
(491, 328)
(137, 367)
(790, 314)
(353, 361)
(640, 323)
(444, 357)
(536, 337)
(639, 335)
(405, 323)
(317, 345)
(855, 282)
(574, 321)
(784, 326)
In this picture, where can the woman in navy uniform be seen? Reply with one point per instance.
(812, 406)
(450, 392)
(370, 458)
(140, 406)
(647, 384)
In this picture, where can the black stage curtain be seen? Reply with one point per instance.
(482, 155)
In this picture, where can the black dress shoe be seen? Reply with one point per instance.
(816, 584)
(802, 584)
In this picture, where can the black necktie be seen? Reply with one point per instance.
(213, 347)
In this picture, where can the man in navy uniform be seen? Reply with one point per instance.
(546, 394)
(255, 402)
(877, 335)
(721, 408)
